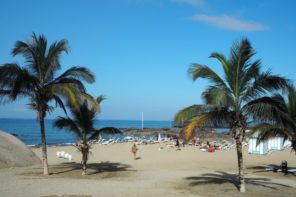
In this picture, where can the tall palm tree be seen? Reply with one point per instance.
(228, 98)
(283, 122)
(82, 126)
(37, 80)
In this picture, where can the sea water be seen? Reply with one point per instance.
(28, 130)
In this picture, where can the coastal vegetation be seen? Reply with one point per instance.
(233, 99)
(82, 126)
(37, 80)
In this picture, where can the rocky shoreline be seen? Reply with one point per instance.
(203, 135)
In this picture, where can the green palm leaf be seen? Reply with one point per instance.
(213, 118)
(69, 125)
(219, 97)
(187, 113)
(200, 71)
(79, 73)
(266, 131)
(52, 60)
(109, 130)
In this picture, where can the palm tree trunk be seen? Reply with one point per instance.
(239, 150)
(84, 151)
(43, 144)
(83, 167)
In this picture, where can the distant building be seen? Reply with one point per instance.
(261, 148)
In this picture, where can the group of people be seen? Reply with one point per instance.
(134, 149)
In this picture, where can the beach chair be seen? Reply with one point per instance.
(70, 157)
(66, 155)
(62, 154)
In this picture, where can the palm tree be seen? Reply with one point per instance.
(37, 80)
(82, 126)
(283, 122)
(228, 99)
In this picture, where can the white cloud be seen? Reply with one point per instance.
(230, 23)
(197, 3)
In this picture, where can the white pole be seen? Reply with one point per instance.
(142, 120)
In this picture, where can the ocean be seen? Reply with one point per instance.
(28, 130)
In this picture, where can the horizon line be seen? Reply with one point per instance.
(95, 119)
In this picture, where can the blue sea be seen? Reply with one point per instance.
(28, 130)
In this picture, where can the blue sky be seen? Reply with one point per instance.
(140, 50)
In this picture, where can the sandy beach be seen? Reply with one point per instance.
(159, 170)
(198, 85)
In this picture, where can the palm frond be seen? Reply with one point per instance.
(269, 109)
(70, 90)
(201, 71)
(265, 83)
(108, 130)
(241, 53)
(5, 96)
(251, 74)
(272, 82)
(91, 101)
(33, 51)
(100, 98)
(187, 113)
(214, 118)
(51, 62)
(219, 97)
(80, 73)
(23, 82)
(267, 131)
(21, 48)
(239, 63)
(222, 59)
(8, 73)
(18, 80)
(74, 83)
(5, 92)
(69, 125)
(84, 117)
(59, 102)
(291, 105)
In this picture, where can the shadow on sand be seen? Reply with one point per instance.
(93, 168)
(223, 177)
(94, 171)
(270, 167)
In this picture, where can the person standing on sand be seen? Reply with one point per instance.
(134, 150)
(177, 144)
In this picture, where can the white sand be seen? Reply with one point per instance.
(166, 172)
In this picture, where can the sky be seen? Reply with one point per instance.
(140, 50)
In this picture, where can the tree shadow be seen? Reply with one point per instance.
(224, 177)
(92, 168)
(270, 168)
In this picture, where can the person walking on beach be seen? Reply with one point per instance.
(134, 150)
(177, 144)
